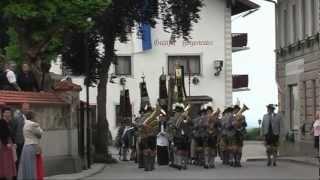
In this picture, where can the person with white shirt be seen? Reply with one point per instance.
(8, 79)
(31, 160)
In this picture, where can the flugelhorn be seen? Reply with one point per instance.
(182, 116)
(238, 116)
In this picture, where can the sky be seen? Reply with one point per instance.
(258, 62)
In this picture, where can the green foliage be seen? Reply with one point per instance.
(40, 25)
(252, 134)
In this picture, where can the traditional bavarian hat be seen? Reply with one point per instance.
(271, 106)
(178, 107)
(227, 110)
(209, 106)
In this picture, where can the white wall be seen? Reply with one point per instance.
(211, 28)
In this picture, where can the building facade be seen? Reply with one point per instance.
(207, 60)
(298, 65)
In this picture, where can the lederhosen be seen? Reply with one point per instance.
(271, 139)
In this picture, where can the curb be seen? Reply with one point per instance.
(78, 176)
(285, 160)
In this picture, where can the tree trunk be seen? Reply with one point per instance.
(103, 136)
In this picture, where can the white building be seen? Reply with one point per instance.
(211, 43)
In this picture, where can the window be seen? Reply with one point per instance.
(190, 64)
(285, 29)
(303, 20)
(123, 66)
(314, 16)
(294, 23)
(294, 106)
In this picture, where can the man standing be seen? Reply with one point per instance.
(8, 79)
(17, 128)
(271, 127)
(26, 79)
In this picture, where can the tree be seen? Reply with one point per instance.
(117, 22)
(36, 28)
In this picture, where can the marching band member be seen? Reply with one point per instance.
(226, 123)
(239, 125)
(197, 137)
(162, 142)
(180, 132)
(211, 124)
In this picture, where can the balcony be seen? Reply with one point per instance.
(239, 42)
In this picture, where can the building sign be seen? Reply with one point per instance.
(195, 43)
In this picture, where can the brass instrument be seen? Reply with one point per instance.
(151, 123)
(212, 119)
(239, 118)
(182, 116)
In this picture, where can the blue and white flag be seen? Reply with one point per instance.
(144, 42)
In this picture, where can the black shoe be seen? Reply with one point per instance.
(213, 166)
(274, 164)
(269, 163)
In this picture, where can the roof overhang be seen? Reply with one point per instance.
(240, 6)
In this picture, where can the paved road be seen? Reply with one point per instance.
(251, 170)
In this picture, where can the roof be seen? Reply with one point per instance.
(16, 97)
(240, 6)
(66, 85)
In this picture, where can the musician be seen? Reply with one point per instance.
(148, 142)
(162, 142)
(239, 125)
(211, 125)
(226, 134)
(180, 129)
(271, 129)
(197, 137)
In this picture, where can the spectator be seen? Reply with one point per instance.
(26, 80)
(316, 130)
(30, 166)
(8, 80)
(7, 148)
(17, 128)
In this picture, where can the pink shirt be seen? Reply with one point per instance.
(316, 128)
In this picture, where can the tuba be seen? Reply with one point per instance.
(151, 122)
(239, 118)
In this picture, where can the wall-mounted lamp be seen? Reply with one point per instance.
(218, 64)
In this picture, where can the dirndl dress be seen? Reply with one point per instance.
(7, 161)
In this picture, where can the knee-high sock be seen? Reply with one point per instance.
(206, 157)
(269, 154)
(275, 154)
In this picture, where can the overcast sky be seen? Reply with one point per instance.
(258, 61)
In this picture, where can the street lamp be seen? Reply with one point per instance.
(87, 84)
(259, 122)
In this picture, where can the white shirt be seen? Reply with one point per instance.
(32, 132)
(162, 140)
(11, 76)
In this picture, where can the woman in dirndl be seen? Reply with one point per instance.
(7, 148)
(31, 163)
